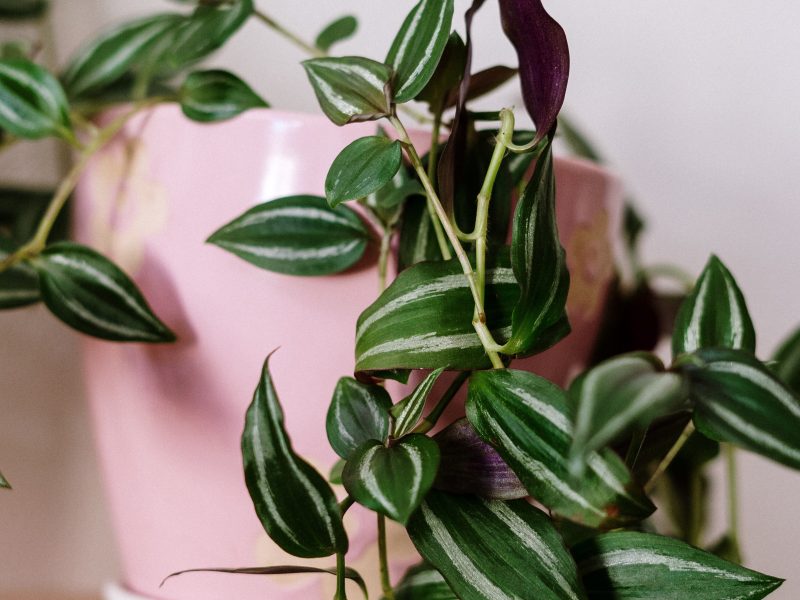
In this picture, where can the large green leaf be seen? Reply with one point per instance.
(418, 46)
(216, 95)
(787, 362)
(494, 550)
(714, 315)
(294, 503)
(407, 412)
(423, 320)
(350, 88)
(32, 103)
(739, 400)
(296, 235)
(335, 32)
(394, 480)
(423, 582)
(358, 412)
(629, 565)
(19, 285)
(91, 294)
(527, 419)
(363, 167)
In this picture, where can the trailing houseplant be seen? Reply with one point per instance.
(466, 301)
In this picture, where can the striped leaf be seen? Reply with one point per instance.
(32, 103)
(394, 480)
(294, 503)
(216, 95)
(540, 266)
(494, 550)
(296, 235)
(4, 483)
(91, 294)
(629, 565)
(787, 362)
(357, 413)
(418, 46)
(527, 419)
(350, 88)
(19, 285)
(363, 167)
(619, 394)
(423, 582)
(423, 320)
(714, 315)
(335, 32)
(739, 400)
(407, 412)
(444, 82)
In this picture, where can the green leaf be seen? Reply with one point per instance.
(22, 9)
(91, 294)
(363, 167)
(407, 412)
(423, 320)
(350, 88)
(394, 480)
(494, 550)
(357, 413)
(388, 202)
(739, 400)
(294, 503)
(418, 46)
(787, 362)
(447, 75)
(423, 582)
(335, 476)
(540, 266)
(4, 483)
(337, 31)
(217, 95)
(630, 565)
(32, 103)
(19, 285)
(527, 419)
(714, 315)
(417, 237)
(296, 235)
(619, 394)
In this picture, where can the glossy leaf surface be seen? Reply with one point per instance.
(335, 32)
(19, 285)
(423, 582)
(787, 362)
(358, 412)
(363, 167)
(444, 82)
(408, 411)
(216, 95)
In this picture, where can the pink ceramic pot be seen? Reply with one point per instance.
(169, 418)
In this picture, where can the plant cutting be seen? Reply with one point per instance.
(470, 298)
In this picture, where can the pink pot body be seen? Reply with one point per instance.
(169, 418)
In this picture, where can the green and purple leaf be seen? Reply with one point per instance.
(362, 168)
(358, 412)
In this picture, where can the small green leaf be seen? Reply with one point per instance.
(32, 103)
(423, 582)
(19, 285)
(22, 9)
(418, 46)
(294, 503)
(363, 167)
(335, 476)
(494, 550)
(4, 483)
(629, 565)
(447, 75)
(388, 202)
(394, 480)
(217, 95)
(91, 294)
(787, 362)
(714, 315)
(407, 412)
(357, 413)
(337, 31)
(350, 88)
(296, 235)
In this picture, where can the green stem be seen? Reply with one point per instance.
(341, 593)
(430, 421)
(295, 39)
(733, 498)
(386, 583)
(383, 258)
(670, 456)
(444, 248)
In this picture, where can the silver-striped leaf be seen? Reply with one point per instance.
(527, 419)
(91, 294)
(423, 582)
(787, 362)
(19, 285)
(32, 102)
(739, 400)
(363, 167)
(407, 412)
(629, 565)
(358, 412)
(296, 235)
(494, 550)
(337, 31)
(714, 315)
(297, 508)
(216, 95)
(350, 88)
(418, 46)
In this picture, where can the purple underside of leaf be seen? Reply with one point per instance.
(543, 55)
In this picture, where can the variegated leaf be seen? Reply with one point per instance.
(407, 412)
(787, 362)
(216, 95)
(423, 582)
(19, 285)
(363, 167)
(335, 32)
(358, 412)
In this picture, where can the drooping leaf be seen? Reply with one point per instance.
(423, 582)
(714, 315)
(216, 95)
(22, 9)
(630, 565)
(358, 412)
(91, 294)
(543, 54)
(32, 103)
(526, 418)
(444, 82)
(19, 285)
(336, 31)
(394, 480)
(350, 88)
(787, 362)
(4, 483)
(296, 235)
(294, 503)
(483, 82)
(417, 237)
(407, 412)
(490, 549)
(363, 167)
(418, 46)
